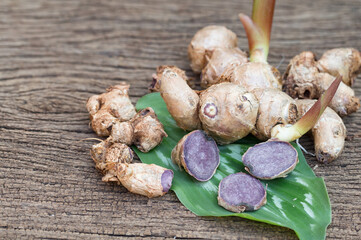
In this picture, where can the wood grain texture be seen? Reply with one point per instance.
(55, 54)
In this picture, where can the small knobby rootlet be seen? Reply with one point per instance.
(299, 201)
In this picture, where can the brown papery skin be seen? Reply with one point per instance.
(148, 130)
(106, 108)
(302, 79)
(343, 61)
(177, 150)
(254, 75)
(344, 101)
(177, 153)
(275, 107)
(233, 112)
(145, 131)
(221, 61)
(107, 155)
(141, 178)
(122, 132)
(264, 81)
(299, 80)
(157, 76)
(209, 38)
(329, 132)
(182, 101)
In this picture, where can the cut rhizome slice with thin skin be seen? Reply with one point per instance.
(198, 154)
(271, 159)
(241, 192)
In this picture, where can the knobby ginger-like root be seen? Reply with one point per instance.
(107, 154)
(209, 38)
(343, 61)
(181, 100)
(148, 180)
(240, 192)
(254, 75)
(106, 108)
(275, 107)
(270, 160)
(198, 154)
(227, 112)
(221, 61)
(148, 130)
(302, 79)
(299, 80)
(329, 132)
(264, 81)
(145, 131)
(113, 159)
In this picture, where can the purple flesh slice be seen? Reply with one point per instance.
(271, 159)
(241, 192)
(201, 155)
(166, 180)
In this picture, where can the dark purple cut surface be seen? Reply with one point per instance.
(166, 180)
(201, 155)
(241, 189)
(270, 159)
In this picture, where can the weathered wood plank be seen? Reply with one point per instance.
(55, 54)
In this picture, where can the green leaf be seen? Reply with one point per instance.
(299, 202)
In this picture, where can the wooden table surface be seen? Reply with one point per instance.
(55, 54)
